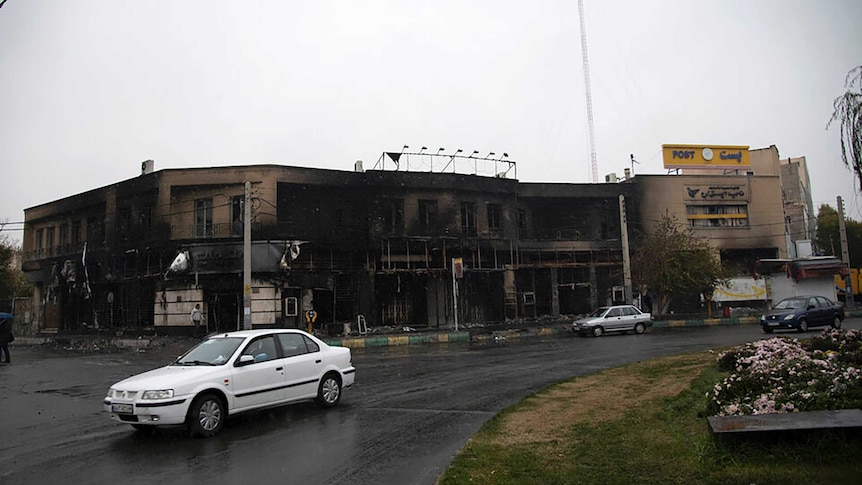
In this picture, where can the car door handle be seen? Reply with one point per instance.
(279, 369)
(318, 361)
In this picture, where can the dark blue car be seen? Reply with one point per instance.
(801, 312)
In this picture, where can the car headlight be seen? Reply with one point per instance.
(161, 394)
(789, 317)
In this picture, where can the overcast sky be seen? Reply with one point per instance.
(90, 88)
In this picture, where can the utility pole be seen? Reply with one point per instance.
(457, 272)
(627, 266)
(845, 254)
(246, 259)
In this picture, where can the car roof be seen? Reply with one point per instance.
(255, 333)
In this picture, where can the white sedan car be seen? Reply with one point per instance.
(231, 373)
(620, 318)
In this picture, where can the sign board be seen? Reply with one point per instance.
(729, 157)
(741, 289)
(715, 193)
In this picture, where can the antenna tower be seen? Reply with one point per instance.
(595, 169)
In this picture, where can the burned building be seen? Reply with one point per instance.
(139, 254)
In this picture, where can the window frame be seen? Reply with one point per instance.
(203, 218)
(495, 215)
(468, 218)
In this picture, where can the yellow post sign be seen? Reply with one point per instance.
(728, 157)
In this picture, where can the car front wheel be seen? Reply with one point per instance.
(598, 331)
(329, 392)
(836, 322)
(206, 415)
(767, 330)
(803, 325)
(639, 328)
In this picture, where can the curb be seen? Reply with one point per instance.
(362, 342)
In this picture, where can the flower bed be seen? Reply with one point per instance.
(786, 375)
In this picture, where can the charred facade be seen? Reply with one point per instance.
(139, 254)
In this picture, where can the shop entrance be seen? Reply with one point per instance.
(224, 312)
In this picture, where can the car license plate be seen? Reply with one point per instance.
(773, 324)
(121, 408)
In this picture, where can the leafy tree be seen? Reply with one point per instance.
(12, 281)
(672, 261)
(829, 240)
(848, 113)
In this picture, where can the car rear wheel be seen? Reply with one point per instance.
(803, 325)
(329, 391)
(598, 331)
(639, 328)
(836, 322)
(206, 415)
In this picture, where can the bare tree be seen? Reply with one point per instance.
(848, 113)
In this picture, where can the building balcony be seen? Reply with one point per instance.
(54, 251)
(223, 230)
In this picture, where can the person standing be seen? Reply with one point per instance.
(196, 318)
(5, 336)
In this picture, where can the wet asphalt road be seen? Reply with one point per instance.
(410, 411)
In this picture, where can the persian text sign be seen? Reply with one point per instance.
(741, 289)
(715, 193)
(706, 156)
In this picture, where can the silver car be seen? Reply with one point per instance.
(620, 318)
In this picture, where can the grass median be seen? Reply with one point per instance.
(642, 423)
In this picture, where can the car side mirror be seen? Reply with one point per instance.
(244, 360)
(811, 307)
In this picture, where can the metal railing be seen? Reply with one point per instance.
(210, 231)
(54, 251)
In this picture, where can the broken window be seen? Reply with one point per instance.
(124, 221)
(146, 219)
(76, 232)
(94, 231)
(393, 215)
(468, 218)
(495, 216)
(236, 215)
(731, 215)
(49, 236)
(64, 234)
(427, 214)
(204, 218)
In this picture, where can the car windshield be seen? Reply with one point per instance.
(213, 351)
(599, 312)
(791, 304)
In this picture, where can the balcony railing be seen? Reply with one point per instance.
(54, 251)
(210, 231)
